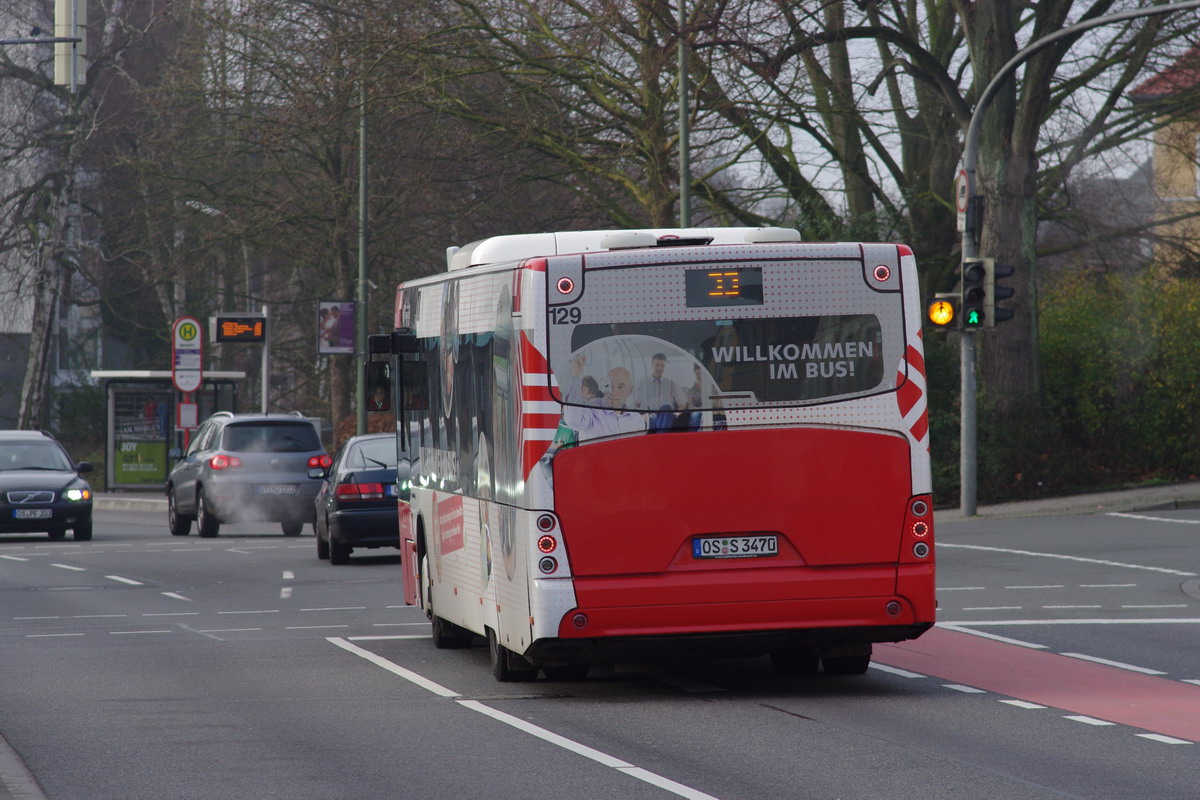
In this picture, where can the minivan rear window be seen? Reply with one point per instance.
(271, 437)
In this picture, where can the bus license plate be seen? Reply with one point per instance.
(32, 513)
(275, 488)
(735, 546)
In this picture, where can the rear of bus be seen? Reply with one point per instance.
(774, 496)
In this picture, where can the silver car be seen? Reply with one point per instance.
(246, 468)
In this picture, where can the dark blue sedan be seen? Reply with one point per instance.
(356, 504)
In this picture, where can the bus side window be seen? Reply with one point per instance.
(414, 385)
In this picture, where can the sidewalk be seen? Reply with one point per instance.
(1147, 498)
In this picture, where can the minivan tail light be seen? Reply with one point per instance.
(224, 462)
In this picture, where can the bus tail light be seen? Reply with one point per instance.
(918, 529)
(547, 544)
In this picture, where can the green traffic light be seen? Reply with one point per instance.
(974, 318)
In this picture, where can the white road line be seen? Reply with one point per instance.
(129, 581)
(312, 627)
(49, 635)
(174, 614)
(1088, 720)
(68, 566)
(337, 608)
(1153, 519)
(175, 596)
(1056, 608)
(1047, 586)
(958, 687)
(967, 624)
(14, 558)
(961, 588)
(903, 673)
(288, 575)
(130, 633)
(285, 593)
(1192, 680)
(1107, 585)
(1173, 605)
(1022, 704)
(100, 616)
(991, 608)
(527, 727)
(1158, 737)
(964, 627)
(1062, 557)
(1117, 664)
(263, 611)
(226, 630)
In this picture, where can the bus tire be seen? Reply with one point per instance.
(846, 665)
(446, 635)
(793, 662)
(567, 673)
(507, 666)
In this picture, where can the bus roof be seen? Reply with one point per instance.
(531, 245)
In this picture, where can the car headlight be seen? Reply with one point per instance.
(76, 495)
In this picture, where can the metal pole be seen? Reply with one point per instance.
(967, 449)
(266, 361)
(360, 311)
(685, 168)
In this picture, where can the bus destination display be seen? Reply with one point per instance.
(706, 288)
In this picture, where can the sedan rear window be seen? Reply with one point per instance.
(271, 437)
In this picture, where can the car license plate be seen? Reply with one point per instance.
(33, 513)
(390, 490)
(275, 488)
(735, 546)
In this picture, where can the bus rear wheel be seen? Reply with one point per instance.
(446, 635)
(507, 666)
(846, 665)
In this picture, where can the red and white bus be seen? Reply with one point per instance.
(705, 440)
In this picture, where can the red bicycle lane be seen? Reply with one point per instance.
(1157, 705)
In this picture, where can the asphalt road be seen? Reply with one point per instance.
(150, 666)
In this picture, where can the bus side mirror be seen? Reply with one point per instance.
(414, 385)
(378, 378)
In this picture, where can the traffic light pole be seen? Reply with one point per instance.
(967, 452)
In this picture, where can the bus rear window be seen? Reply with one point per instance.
(720, 363)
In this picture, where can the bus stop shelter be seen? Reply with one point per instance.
(141, 417)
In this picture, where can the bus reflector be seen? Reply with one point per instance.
(920, 550)
(893, 608)
(579, 621)
(546, 523)
(547, 564)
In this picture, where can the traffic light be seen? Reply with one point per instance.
(993, 314)
(974, 294)
(942, 311)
